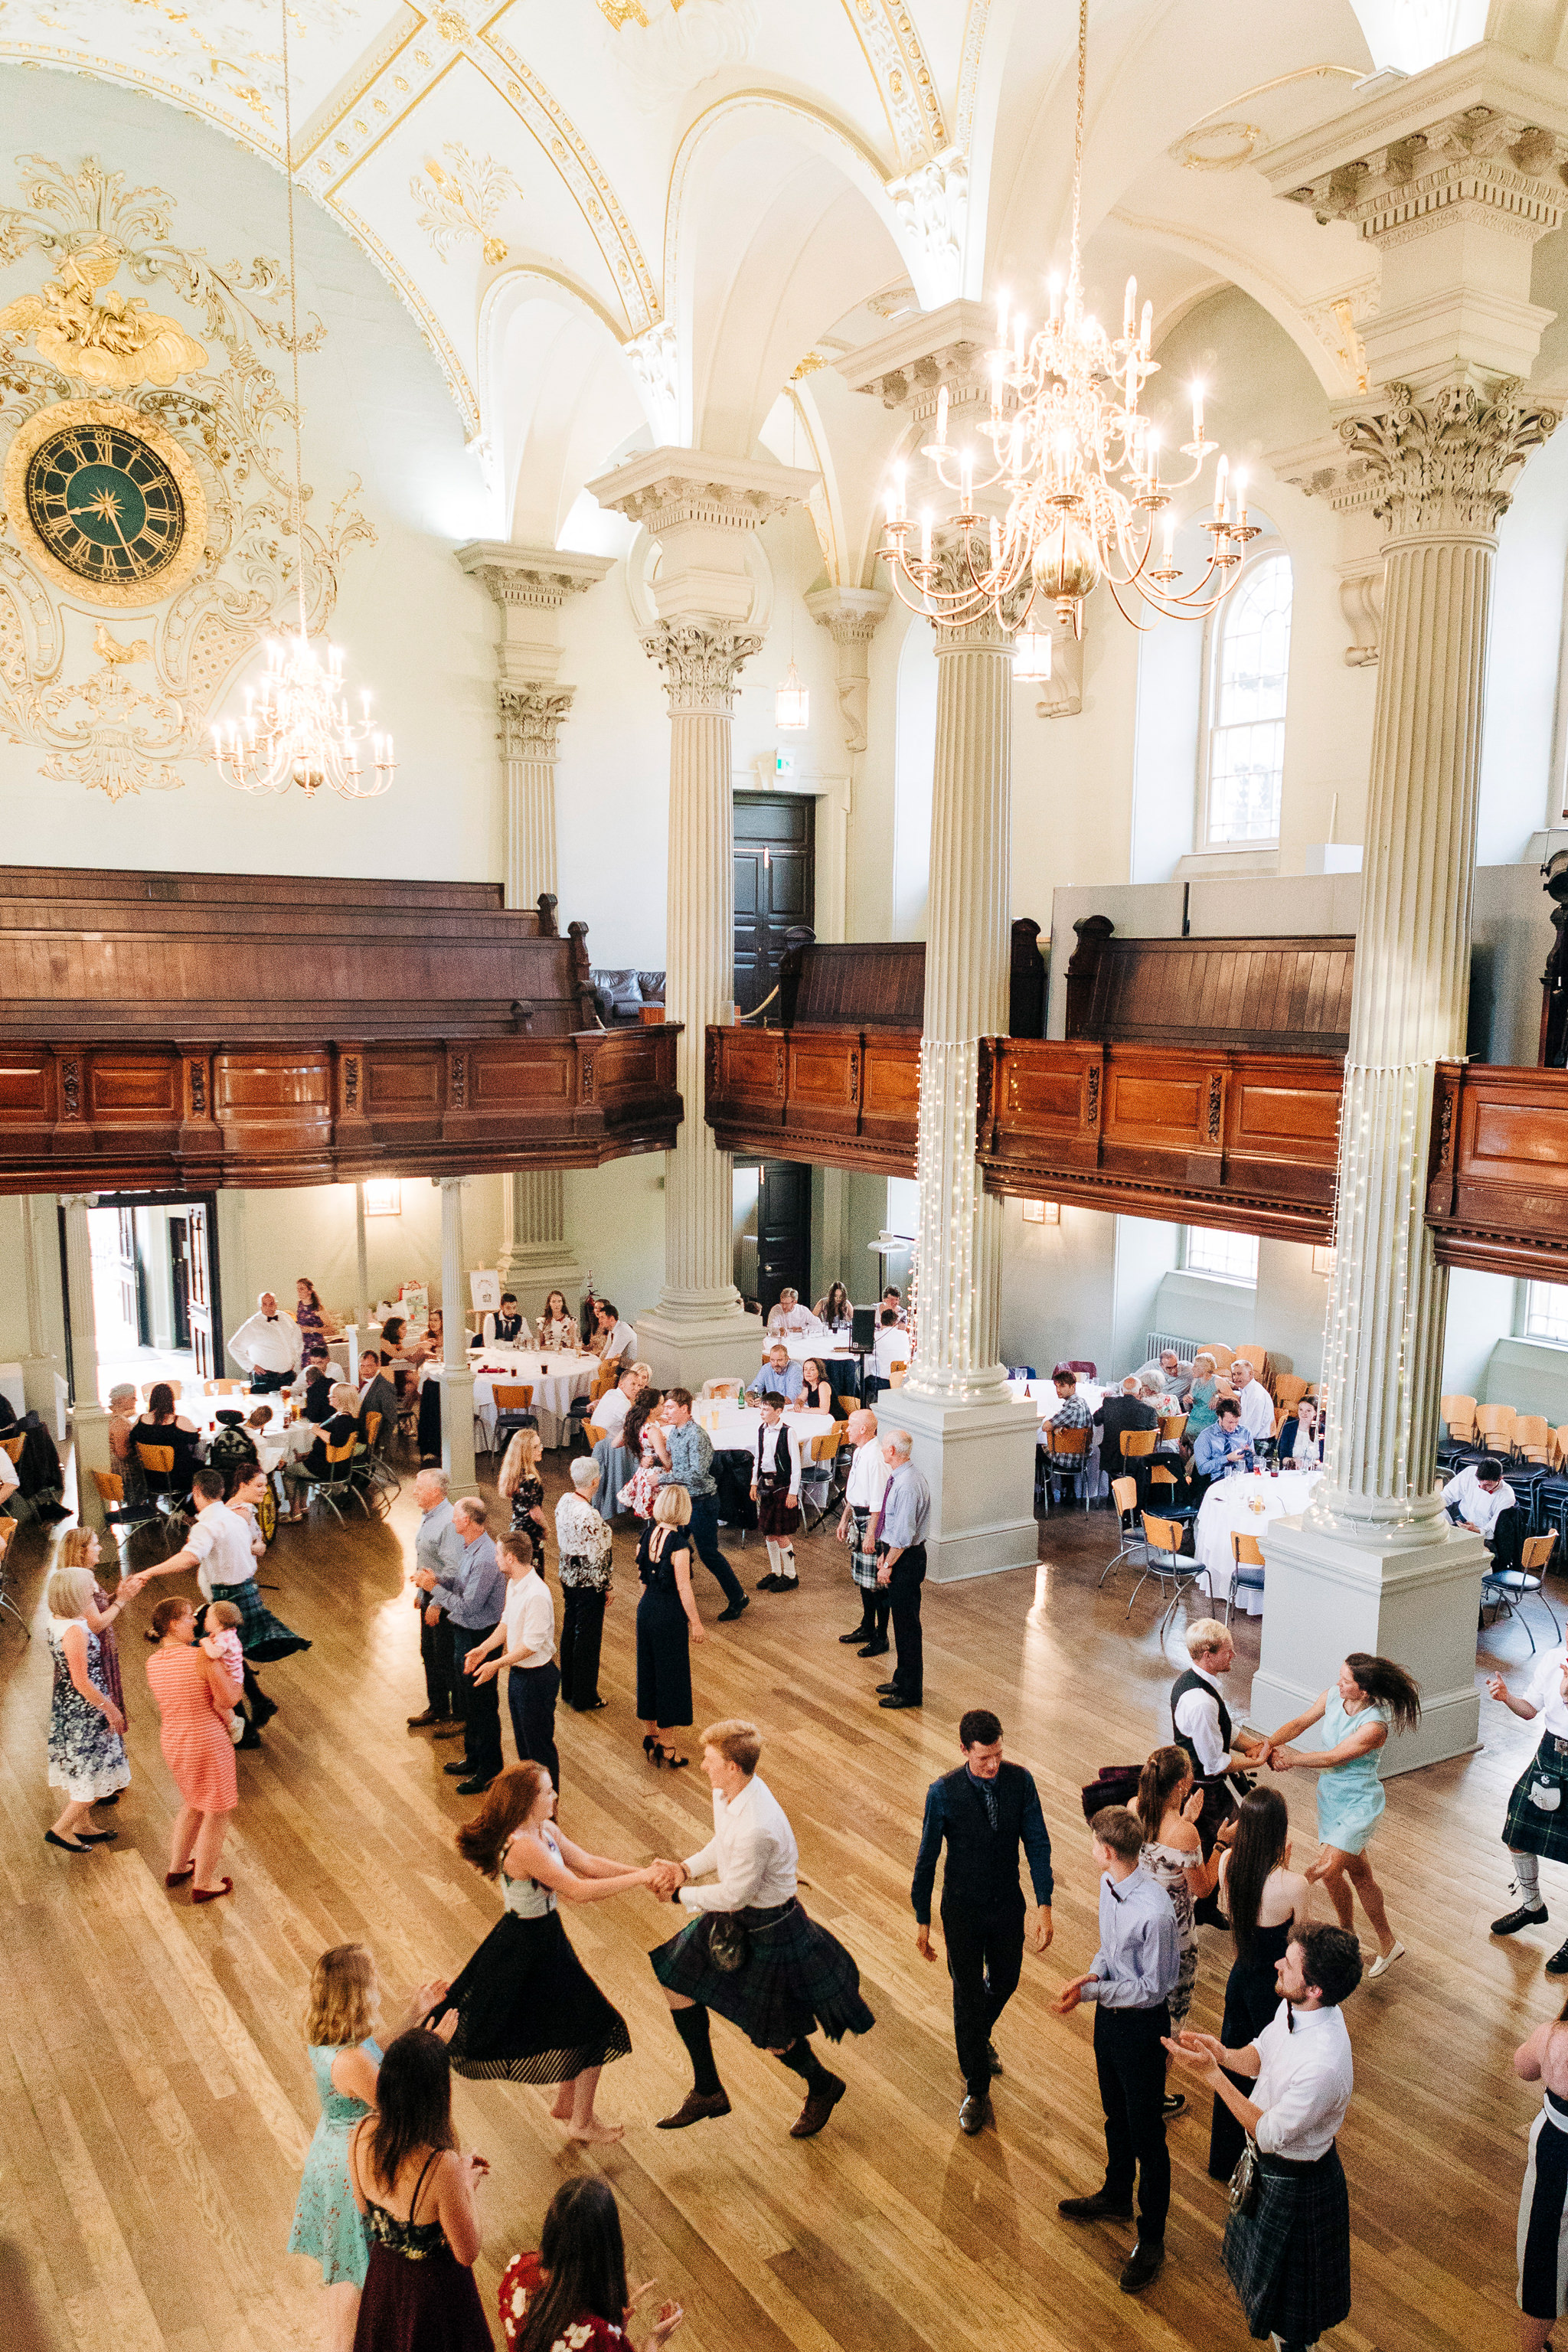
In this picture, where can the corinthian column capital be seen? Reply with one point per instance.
(1442, 464)
(529, 585)
(530, 719)
(702, 662)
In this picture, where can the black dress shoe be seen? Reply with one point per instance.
(973, 2116)
(769, 1583)
(883, 1689)
(728, 1617)
(1142, 2264)
(1529, 1914)
(1097, 2207)
(897, 1698)
(472, 1788)
(1557, 1966)
(462, 1765)
(874, 1650)
(862, 1634)
(250, 1739)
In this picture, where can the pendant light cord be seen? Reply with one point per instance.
(294, 329)
(1077, 133)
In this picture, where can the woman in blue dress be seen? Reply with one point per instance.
(1371, 1698)
(346, 2061)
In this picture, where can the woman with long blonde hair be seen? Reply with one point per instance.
(87, 1749)
(341, 2019)
(520, 1484)
(526, 2008)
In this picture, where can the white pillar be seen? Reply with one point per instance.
(456, 1375)
(41, 1385)
(89, 1418)
(975, 1446)
(702, 510)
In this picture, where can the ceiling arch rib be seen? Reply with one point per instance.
(559, 389)
(887, 34)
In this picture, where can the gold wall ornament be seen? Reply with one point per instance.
(462, 197)
(101, 731)
(110, 651)
(115, 342)
(105, 503)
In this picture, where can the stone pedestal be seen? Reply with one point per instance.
(89, 1419)
(535, 1256)
(456, 1375)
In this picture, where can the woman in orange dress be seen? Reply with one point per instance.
(195, 1697)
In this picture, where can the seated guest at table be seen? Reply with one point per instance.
(234, 1444)
(38, 1474)
(1168, 1368)
(1224, 1448)
(1256, 1405)
(1298, 1434)
(121, 1455)
(893, 1298)
(376, 1395)
(556, 1327)
(1155, 1390)
(1201, 1397)
(394, 1336)
(613, 1340)
(162, 1425)
(314, 1389)
(835, 1312)
(778, 1376)
(267, 1346)
(1124, 1410)
(817, 1393)
(789, 1319)
(427, 1346)
(892, 1348)
(506, 1324)
(1072, 1412)
(343, 1425)
(610, 1412)
(1481, 1499)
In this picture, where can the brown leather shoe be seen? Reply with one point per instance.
(818, 2109)
(423, 1721)
(694, 2109)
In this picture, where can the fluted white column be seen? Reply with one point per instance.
(959, 1264)
(457, 1374)
(1374, 1565)
(89, 1418)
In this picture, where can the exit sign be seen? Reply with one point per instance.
(783, 763)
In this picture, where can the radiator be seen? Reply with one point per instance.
(1156, 1342)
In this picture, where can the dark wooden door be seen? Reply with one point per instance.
(775, 884)
(200, 1293)
(180, 1280)
(784, 1230)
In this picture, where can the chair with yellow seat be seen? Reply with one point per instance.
(1124, 1496)
(1165, 1560)
(1532, 1437)
(1459, 1414)
(1246, 1570)
(7, 1530)
(1494, 1426)
(1067, 1456)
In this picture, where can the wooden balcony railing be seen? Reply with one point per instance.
(1497, 1178)
(839, 1096)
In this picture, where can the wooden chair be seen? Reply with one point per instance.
(1067, 1456)
(897, 1373)
(513, 1403)
(1163, 1558)
(723, 1388)
(603, 1381)
(1172, 1428)
(338, 1479)
(1494, 1426)
(1124, 1496)
(1560, 1447)
(1247, 1570)
(12, 1449)
(1459, 1412)
(1290, 1388)
(117, 1512)
(1256, 1356)
(378, 1473)
(7, 1530)
(1221, 1350)
(815, 1452)
(1508, 1588)
(1532, 1437)
(593, 1433)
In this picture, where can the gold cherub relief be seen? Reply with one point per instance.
(116, 341)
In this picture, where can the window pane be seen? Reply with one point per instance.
(1247, 734)
(1546, 1311)
(1234, 1256)
(1246, 768)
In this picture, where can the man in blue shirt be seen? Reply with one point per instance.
(1222, 1447)
(438, 1547)
(1130, 1982)
(901, 1567)
(984, 1810)
(473, 1595)
(691, 1466)
(779, 1377)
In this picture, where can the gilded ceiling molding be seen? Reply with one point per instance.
(461, 197)
(886, 31)
(395, 43)
(579, 169)
(976, 20)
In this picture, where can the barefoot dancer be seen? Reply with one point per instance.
(1372, 1697)
(527, 2011)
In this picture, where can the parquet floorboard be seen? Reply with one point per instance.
(155, 2100)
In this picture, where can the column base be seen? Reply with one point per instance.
(457, 1428)
(979, 1462)
(685, 1345)
(89, 1447)
(47, 1394)
(1410, 1593)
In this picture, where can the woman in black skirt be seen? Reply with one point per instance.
(667, 1623)
(1265, 1898)
(527, 2011)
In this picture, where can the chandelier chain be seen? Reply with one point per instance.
(1077, 126)
(294, 323)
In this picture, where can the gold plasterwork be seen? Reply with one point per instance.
(114, 342)
(461, 196)
(78, 416)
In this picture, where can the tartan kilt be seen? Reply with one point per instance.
(1527, 1829)
(1289, 2259)
(777, 1515)
(795, 1978)
(263, 1637)
(862, 1562)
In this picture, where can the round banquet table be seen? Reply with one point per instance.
(823, 1346)
(274, 1444)
(1042, 1395)
(555, 1379)
(1226, 1510)
(734, 1429)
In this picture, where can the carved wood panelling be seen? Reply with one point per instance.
(1496, 1186)
(1287, 995)
(838, 1098)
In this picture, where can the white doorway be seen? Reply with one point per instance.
(154, 1292)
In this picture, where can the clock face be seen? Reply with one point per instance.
(106, 505)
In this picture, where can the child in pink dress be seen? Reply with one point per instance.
(221, 1642)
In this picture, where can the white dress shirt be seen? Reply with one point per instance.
(753, 1849)
(618, 1343)
(792, 1321)
(1481, 1509)
(892, 1348)
(268, 1343)
(10, 1480)
(1257, 1408)
(1544, 1692)
(530, 1621)
(777, 1454)
(222, 1544)
(869, 1476)
(1305, 2083)
(610, 1413)
(1197, 1719)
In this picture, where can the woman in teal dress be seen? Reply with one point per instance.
(1371, 1698)
(344, 2060)
(1200, 1410)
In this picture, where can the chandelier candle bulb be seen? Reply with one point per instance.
(1221, 502)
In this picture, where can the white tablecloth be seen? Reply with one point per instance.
(1042, 1395)
(735, 1431)
(273, 1444)
(1226, 1509)
(820, 1344)
(555, 1380)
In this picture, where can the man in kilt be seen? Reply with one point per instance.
(863, 1492)
(750, 1952)
(1537, 1823)
(1288, 2248)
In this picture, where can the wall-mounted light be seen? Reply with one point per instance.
(1323, 1257)
(1042, 1213)
(385, 1200)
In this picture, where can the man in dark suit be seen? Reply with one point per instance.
(1123, 1409)
(985, 1811)
(376, 1395)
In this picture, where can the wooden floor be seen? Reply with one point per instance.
(156, 2101)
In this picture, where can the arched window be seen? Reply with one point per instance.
(1246, 764)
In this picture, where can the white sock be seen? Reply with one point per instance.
(1527, 1870)
(786, 1562)
(773, 1555)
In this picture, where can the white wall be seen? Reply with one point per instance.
(266, 1239)
(615, 1221)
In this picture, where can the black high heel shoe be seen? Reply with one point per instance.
(666, 1756)
(648, 1744)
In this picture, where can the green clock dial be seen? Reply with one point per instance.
(107, 507)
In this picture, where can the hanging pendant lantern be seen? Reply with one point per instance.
(792, 703)
(1032, 656)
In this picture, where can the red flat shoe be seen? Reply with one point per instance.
(178, 1877)
(212, 1893)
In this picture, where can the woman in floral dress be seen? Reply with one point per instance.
(571, 2295)
(520, 1484)
(87, 1747)
(642, 1434)
(1168, 1805)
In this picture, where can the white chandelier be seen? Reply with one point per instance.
(1076, 468)
(297, 729)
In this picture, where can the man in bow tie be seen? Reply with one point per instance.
(267, 1346)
